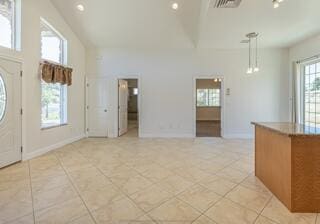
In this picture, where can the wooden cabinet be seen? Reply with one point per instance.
(287, 161)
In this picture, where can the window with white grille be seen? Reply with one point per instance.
(10, 24)
(311, 94)
(53, 96)
(208, 97)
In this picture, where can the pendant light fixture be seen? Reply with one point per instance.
(175, 6)
(276, 3)
(252, 68)
(256, 67)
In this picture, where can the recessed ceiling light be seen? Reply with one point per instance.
(175, 6)
(80, 7)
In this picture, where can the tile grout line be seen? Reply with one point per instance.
(31, 194)
(260, 214)
(156, 184)
(202, 213)
(224, 197)
(167, 200)
(176, 195)
(239, 203)
(127, 196)
(74, 188)
(33, 211)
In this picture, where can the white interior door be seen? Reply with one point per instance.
(97, 125)
(123, 107)
(10, 112)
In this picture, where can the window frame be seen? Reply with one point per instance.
(63, 88)
(2, 116)
(64, 42)
(208, 98)
(303, 92)
(16, 27)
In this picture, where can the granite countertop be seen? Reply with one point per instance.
(290, 129)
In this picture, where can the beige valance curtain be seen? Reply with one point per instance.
(53, 73)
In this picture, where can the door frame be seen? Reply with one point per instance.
(116, 123)
(86, 86)
(23, 130)
(194, 106)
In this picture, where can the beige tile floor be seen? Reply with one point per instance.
(131, 180)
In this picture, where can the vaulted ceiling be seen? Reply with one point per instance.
(154, 24)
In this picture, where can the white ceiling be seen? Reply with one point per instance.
(152, 23)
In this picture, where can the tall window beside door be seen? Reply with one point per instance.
(53, 96)
(10, 24)
(311, 89)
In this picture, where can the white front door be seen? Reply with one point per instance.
(123, 107)
(97, 107)
(10, 112)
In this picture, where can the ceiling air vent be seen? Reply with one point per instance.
(227, 3)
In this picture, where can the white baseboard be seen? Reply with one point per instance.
(190, 135)
(166, 135)
(39, 152)
(238, 136)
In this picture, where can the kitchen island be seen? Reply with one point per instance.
(287, 161)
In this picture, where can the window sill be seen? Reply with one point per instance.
(208, 106)
(11, 54)
(54, 126)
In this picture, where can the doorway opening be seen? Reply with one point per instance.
(128, 108)
(208, 107)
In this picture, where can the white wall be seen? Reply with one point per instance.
(167, 82)
(305, 49)
(35, 140)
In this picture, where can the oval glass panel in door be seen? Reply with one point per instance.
(3, 98)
